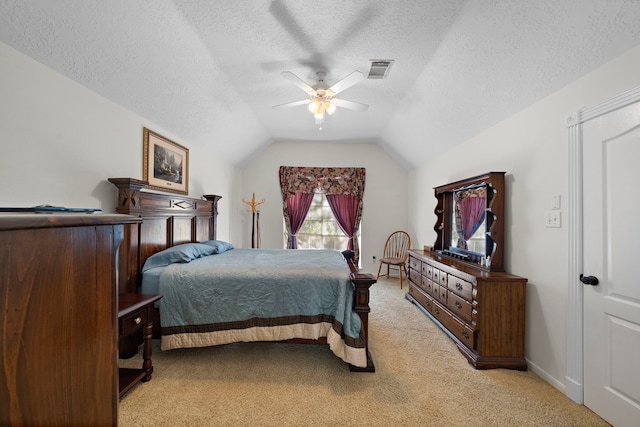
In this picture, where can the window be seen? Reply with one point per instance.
(344, 187)
(320, 229)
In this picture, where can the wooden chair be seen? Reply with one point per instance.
(396, 253)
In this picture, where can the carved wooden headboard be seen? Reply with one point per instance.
(167, 220)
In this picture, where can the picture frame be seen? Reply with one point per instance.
(165, 163)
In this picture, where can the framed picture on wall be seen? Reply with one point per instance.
(165, 164)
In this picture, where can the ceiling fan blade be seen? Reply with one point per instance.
(352, 105)
(285, 18)
(298, 82)
(347, 82)
(292, 104)
(364, 19)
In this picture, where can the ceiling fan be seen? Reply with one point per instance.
(321, 97)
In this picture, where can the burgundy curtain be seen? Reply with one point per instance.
(297, 207)
(345, 210)
(472, 210)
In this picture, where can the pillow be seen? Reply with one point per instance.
(177, 254)
(219, 246)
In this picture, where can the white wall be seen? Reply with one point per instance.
(531, 146)
(60, 142)
(385, 195)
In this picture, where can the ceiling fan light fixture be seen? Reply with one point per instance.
(329, 107)
(313, 106)
(319, 114)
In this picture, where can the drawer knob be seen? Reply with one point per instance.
(465, 334)
(458, 305)
(458, 286)
(137, 320)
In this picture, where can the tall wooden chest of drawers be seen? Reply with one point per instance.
(483, 312)
(58, 319)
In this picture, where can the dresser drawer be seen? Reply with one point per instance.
(415, 276)
(443, 279)
(435, 275)
(421, 297)
(459, 306)
(421, 282)
(439, 293)
(442, 297)
(133, 322)
(438, 312)
(460, 287)
(427, 270)
(427, 284)
(435, 290)
(463, 332)
(415, 264)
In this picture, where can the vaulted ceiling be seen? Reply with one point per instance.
(209, 71)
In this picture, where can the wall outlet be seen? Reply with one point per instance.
(555, 202)
(552, 219)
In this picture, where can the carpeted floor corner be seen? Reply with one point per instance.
(421, 379)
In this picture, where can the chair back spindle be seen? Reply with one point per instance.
(396, 253)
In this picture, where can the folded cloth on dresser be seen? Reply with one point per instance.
(245, 295)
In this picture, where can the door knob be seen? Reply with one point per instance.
(589, 280)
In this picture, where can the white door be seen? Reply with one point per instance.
(611, 248)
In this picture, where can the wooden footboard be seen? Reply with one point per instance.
(169, 219)
(361, 282)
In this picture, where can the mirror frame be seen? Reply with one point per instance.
(494, 232)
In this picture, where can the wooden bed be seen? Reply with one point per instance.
(169, 220)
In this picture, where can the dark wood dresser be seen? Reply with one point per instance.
(482, 311)
(58, 318)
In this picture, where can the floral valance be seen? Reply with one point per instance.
(297, 179)
(472, 192)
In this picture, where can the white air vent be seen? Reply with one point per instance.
(379, 68)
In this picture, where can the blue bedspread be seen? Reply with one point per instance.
(246, 295)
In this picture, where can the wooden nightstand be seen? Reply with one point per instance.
(134, 314)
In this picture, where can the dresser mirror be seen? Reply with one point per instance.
(470, 220)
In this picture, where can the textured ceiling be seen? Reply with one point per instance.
(209, 71)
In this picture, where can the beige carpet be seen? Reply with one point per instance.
(421, 380)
